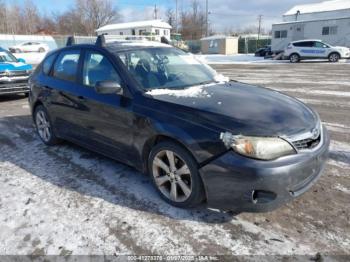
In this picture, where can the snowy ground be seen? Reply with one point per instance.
(32, 58)
(249, 59)
(67, 200)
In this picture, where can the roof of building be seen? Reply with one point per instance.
(137, 24)
(326, 6)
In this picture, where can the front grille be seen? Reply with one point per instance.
(14, 73)
(308, 143)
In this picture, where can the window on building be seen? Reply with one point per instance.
(281, 34)
(165, 32)
(121, 33)
(157, 31)
(330, 30)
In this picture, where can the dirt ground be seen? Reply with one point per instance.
(67, 200)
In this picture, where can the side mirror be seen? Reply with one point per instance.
(21, 60)
(108, 87)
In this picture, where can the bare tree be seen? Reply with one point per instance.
(193, 23)
(170, 17)
(95, 13)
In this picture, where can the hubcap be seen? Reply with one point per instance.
(294, 58)
(334, 58)
(43, 126)
(172, 176)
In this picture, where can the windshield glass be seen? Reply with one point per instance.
(6, 57)
(170, 68)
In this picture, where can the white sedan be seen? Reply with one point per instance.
(314, 49)
(29, 47)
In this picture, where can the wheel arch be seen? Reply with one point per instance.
(151, 142)
(334, 52)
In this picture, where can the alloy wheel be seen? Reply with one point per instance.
(334, 58)
(172, 176)
(43, 126)
(294, 58)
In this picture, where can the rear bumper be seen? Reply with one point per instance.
(234, 182)
(13, 88)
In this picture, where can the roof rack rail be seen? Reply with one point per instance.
(75, 40)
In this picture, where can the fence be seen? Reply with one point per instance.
(247, 46)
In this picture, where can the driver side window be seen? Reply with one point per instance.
(98, 68)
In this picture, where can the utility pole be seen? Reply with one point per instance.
(206, 18)
(259, 30)
(155, 12)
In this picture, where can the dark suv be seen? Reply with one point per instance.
(199, 136)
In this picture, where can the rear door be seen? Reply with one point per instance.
(64, 91)
(305, 49)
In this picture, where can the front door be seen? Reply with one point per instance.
(106, 118)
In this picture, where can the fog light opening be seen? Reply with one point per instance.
(262, 197)
(254, 197)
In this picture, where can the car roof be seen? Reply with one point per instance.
(307, 40)
(119, 46)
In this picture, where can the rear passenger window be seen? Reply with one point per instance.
(304, 44)
(98, 68)
(66, 65)
(48, 63)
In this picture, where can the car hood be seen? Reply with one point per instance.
(239, 108)
(14, 66)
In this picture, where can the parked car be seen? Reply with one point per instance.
(265, 51)
(199, 137)
(14, 74)
(29, 47)
(315, 49)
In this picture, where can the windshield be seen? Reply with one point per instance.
(170, 68)
(6, 57)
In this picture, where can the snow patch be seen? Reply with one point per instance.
(194, 91)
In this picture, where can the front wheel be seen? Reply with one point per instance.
(41, 50)
(175, 175)
(334, 57)
(44, 126)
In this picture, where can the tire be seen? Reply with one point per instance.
(294, 58)
(44, 126)
(187, 185)
(41, 50)
(334, 57)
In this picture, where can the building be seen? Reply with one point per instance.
(328, 21)
(157, 28)
(219, 44)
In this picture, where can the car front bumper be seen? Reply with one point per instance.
(233, 182)
(14, 87)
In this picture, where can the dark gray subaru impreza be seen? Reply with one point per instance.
(199, 136)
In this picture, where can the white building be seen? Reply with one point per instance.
(328, 21)
(157, 28)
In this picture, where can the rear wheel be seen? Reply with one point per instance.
(175, 175)
(294, 58)
(334, 57)
(17, 50)
(41, 50)
(44, 126)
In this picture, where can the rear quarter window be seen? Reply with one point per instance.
(47, 64)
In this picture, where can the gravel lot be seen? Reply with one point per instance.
(67, 200)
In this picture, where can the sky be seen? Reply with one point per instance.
(225, 15)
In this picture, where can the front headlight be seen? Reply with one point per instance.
(262, 148)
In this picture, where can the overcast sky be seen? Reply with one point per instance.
(225, 14)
